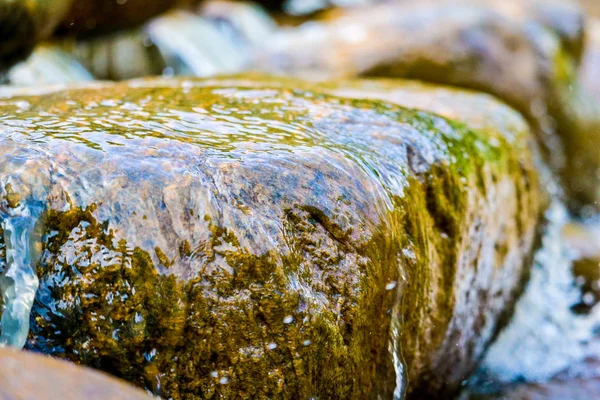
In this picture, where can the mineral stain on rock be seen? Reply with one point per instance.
(264, 238)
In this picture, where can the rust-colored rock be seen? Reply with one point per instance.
(27, 376)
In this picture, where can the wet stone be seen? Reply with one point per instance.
(267, 238)
(524, 52)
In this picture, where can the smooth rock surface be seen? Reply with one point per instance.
(265, 238)
(27, 376)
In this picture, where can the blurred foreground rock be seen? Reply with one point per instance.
(27, 376)
(262, 238)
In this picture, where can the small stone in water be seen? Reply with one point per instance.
(272, 346)
(288, 320)
(224, 380)
(390, 286)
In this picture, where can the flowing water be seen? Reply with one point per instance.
(554, 330)
(18, 280)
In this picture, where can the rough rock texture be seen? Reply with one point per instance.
(525, 52)
(26, 376)
(266, 239)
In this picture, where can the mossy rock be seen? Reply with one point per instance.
(526, 53)
(265, 238)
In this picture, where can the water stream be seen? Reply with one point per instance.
(546, 336)
(18, 278)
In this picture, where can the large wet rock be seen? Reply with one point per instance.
(26, 376)
(262, 238)
(524, 52)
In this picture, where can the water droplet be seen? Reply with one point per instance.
(390, 286)
(588, 299)
(168, 72)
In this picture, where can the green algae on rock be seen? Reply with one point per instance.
(26, 376)
(254, 237)
(524, 52)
